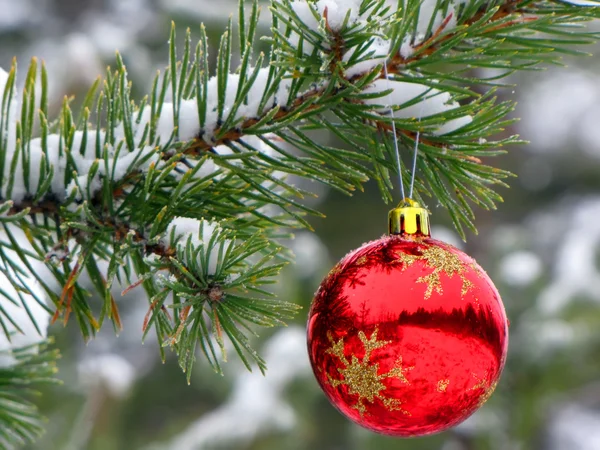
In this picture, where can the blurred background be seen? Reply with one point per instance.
(542, 248)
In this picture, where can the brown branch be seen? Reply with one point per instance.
(200, 146)
(47, 206)
(337, 46)
(122, 230)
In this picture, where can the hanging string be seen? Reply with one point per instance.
(415, 152)
(398, 164)
(396, 147)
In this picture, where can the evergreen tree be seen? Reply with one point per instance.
(188, 193)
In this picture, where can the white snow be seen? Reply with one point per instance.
(17, 312)
(583, 2)
(557, 109)
(574, 427)
(338, 10)
(406, 49)
(248, 109)
(262, 147)
(520, 268)
(430, 102)
(109, 370)
(428, 23)
(548, 335)
(482, 421)
(430, 19)
(118, 168)
(252, 141)
(312, 257)
(165, 123)
(188, 120)
(575, 271)
(19, 15)
(183, 226)
(199, 232)
(303, 10)
(11, 112)
(378, 52)
(29, 335)
(121, 161)
(255, 406)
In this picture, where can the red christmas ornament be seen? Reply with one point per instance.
(407, 335)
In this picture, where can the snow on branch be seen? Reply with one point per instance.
(415, 100)
(228, 105)
(212, 271)
(344, 20)
(201, 241)
(257, 100)
(91, 154)
(94, 155)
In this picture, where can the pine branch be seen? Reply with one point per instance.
(471, 35)
(474, 35)
(20, 420)
(100, 193)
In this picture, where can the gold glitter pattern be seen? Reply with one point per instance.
(441, 261)
(443, 385)
(362, 261)
(362, 377)
(334, 270)
(482, 383)
(487, 393)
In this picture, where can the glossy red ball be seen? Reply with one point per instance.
(407, 336)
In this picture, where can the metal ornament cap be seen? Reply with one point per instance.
(409, 219)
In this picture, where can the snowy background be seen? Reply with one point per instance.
(542, 247)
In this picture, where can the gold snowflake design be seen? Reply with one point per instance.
(441, 261)
(362, 377)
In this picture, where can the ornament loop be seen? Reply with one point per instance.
(409, 218)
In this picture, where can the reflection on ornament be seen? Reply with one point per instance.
(408, 335)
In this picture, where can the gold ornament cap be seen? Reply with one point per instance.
(409, 218)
